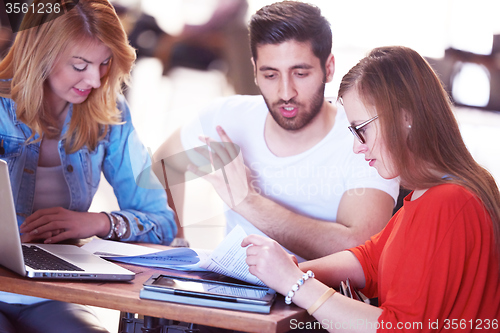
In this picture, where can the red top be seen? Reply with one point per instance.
(435, 267)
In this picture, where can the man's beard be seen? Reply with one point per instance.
(304, 117)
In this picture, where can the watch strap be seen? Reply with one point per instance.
(112, 226)
(121, 226)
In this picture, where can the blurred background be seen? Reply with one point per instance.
(193, 51)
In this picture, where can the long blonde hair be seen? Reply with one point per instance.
(399, 83)
(32, 57)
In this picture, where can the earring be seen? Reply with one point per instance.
(409, 126)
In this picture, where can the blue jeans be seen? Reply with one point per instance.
(48, 317)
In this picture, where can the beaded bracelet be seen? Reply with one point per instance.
(296, 286)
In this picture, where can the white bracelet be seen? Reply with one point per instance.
(296, 286)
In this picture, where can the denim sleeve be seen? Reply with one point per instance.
(144, 206)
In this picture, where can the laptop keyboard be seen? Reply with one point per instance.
(40, 259)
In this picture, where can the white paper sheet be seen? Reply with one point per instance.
(108, 248)
(229, 258)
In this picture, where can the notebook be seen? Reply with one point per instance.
(74, 262)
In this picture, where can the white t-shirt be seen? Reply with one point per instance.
(310, 183)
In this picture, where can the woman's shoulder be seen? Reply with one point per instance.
(453, 199)
(447, 210)
(444, 192)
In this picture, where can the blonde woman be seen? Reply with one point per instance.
(63, 121)
(436, 265)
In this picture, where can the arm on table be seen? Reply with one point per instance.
(270, 263)
(57, 224)
(337, 309)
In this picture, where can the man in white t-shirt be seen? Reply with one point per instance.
(299, 173)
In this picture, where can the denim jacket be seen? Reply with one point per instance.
(120, 156)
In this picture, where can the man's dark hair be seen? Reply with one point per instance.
(291, 20)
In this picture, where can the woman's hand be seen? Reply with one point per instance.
(269, 262)
(53, 225)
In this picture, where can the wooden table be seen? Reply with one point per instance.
(124, 296)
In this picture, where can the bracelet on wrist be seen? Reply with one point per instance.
(320, 301)
(121, 225)
(112, 226)
(296, 286)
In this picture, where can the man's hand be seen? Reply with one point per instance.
(52, 225)
(231, 179)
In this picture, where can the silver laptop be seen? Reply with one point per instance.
(72, 262)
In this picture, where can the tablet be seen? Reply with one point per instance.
(182, 286)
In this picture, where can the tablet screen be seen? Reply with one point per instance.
(191, 287)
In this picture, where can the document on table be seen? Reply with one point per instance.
(103, 248)
(229, 258)
(180, 258)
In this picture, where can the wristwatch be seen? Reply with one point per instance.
(179, 242)
(112, 226)
(121, 226)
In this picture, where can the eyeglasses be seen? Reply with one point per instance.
(355, 130)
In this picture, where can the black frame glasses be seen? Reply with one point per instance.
(355, 129)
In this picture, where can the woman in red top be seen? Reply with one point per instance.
(436, 265)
